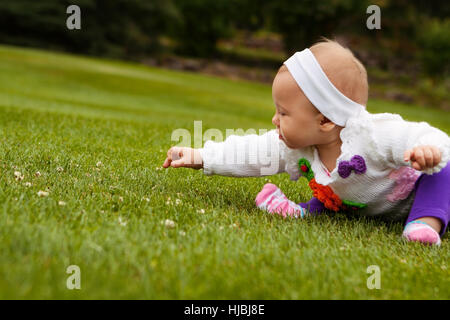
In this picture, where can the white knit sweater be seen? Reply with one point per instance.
(380, 139)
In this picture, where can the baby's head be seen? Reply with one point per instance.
(299, 122)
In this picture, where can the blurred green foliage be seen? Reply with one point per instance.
(199, 24)
(435, 43)
(119, 28)
(303, 22)
(130, 29)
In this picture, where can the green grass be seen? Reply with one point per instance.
(62, 111)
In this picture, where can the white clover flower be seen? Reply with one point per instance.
(177, 201)
(19, 176)
(27, 184)
(37, 174)
(99, 164)
(169, 223)
(43, 193)
(201, 211)
(123, 223)
(121, 199)
(61, 203)
(60, 169)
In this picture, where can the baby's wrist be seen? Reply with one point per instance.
(198, 158)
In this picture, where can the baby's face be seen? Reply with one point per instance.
(296, 118)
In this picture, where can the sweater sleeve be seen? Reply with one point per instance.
(395, 136)
(244, 156)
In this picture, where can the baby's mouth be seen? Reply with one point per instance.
(279, 135)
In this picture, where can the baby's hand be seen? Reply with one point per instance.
(183, 157)
(423, 157)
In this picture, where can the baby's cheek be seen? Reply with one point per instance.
(296, 139)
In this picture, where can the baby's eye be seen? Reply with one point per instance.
(282, 114)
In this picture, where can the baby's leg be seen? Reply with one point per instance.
(430, 212)
(272, 200)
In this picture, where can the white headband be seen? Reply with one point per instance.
(310, 77)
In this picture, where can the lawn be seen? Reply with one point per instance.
(94, 133)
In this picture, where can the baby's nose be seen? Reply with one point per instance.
(275, 120)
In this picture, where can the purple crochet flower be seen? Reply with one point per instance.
(356, 163)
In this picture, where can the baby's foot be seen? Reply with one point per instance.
(272, 200)
(422, 232)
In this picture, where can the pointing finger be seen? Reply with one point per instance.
(169, 153)
(166, 163)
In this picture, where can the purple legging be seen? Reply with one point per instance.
(432, 198)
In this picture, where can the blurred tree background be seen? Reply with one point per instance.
(407, 59)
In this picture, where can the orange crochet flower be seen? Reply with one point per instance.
(325, 195)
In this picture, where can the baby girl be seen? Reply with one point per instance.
(374, 164)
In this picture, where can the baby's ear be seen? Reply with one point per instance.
(325, 124)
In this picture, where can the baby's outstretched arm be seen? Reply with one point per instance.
(238, 156)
